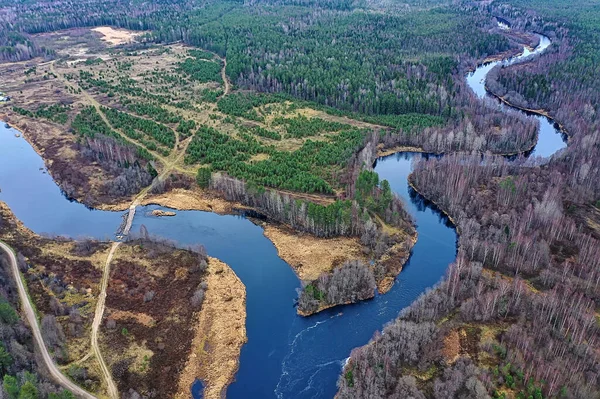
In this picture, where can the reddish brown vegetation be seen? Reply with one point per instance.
(161, 283)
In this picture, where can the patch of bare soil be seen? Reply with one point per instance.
(76, 42)
(310, 256)
(116, 36)
(150, 315)
(141, 318)
(451, 349)
(469, 337)
(220, 334)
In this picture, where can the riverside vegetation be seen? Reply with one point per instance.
(63, 279)
(517, 315)
(287, 152)
(314, 101)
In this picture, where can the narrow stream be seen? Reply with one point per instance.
(286, 356)
(550, 138)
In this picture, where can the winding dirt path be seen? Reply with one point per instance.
(226, 82)
(92, 101)
(27, 309)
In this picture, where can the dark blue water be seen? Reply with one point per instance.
(286, 356)
(38, 202)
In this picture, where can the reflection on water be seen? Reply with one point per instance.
(286, 356)
(550, 138)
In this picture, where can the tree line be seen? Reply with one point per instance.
(514, 219)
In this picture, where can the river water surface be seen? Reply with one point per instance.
(286, 356)
(550, 138)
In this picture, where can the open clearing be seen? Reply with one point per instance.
(116, 36)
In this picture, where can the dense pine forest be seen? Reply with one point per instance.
(285, 105)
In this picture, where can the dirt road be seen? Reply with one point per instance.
(28, 311)
(111, 387)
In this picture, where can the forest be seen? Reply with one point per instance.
(127, 163)
(526, 272)
(516, 315)
(21, 378)
(398, 67)
(308, 169)
(520, 301)
(200, 67)
(564, 83)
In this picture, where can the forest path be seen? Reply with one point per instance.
(111, 387)
(170, 162)
(28, 310)
(225, 78)
(79, 361)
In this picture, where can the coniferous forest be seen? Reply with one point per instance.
(284, 106)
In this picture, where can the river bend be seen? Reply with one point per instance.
(286, 356)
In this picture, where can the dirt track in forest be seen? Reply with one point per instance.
(29, 312)
(100, 305)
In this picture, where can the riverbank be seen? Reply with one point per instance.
(242, 245)
(182, 199)
(135, 339)
(540, 112)
(310, 256)
(81, 179)
(384, 152)
(60, 277)
(219, 335)
(373, 267)
(528, 41)
(438, 206)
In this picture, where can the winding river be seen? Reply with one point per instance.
(550, 138)
(286, 356)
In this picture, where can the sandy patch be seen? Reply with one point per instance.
(259, 157)
(384, 152)
(182, 199)
(310, 256)
(116, 36)
(160, 213)
(220, 334)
